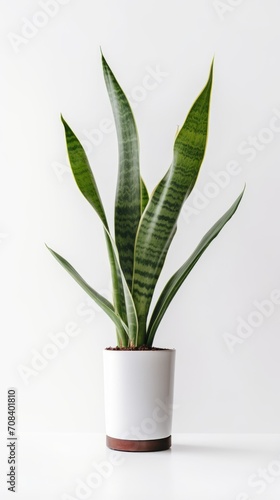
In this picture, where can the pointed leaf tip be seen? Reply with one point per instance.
(128, 201)
(158, 224)
(179, 277)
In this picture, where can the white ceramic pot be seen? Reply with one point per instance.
(138, 388)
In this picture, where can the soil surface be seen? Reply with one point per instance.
(140, 348)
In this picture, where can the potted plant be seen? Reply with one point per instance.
(139, 377)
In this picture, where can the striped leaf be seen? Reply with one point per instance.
(131, 328)
(82, 172)
(99, 299)
(132, 320)
(158, 223)
(86, 183)
(179, 277)
(144, 196)
(128, 193)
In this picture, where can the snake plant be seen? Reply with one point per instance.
(144, 225)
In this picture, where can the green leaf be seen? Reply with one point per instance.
(86, 183)
(179, 277)
(158, 224)
(132, 320)
(82, 172)
(128, 194)
(144, 196)
(99, 299)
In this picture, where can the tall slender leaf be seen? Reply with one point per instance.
(128, 194)
(179, 277)
(159, 220)
(82, 172)
(99, 299)
(131, 314)
(131, 328)
(86, 183)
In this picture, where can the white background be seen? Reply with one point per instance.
(58, 70)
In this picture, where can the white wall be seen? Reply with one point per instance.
(57, 69)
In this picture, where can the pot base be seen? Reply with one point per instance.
(138, 445)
